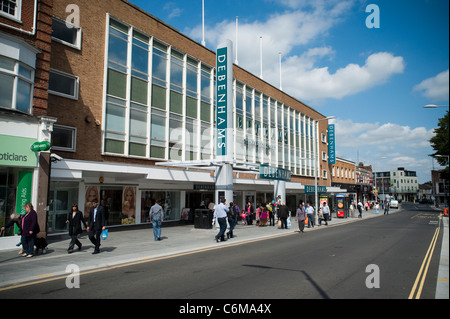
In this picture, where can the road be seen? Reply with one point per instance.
(377, 258)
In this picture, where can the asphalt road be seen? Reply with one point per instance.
(340, 262)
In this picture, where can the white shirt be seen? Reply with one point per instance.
(221, 210)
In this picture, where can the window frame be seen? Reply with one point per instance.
(77, 44)
(76, 85)
(17, 16)
(73, 129)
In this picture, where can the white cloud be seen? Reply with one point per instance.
(318, 83)
(174, 10)
(385, 146)
(293, 29)
(436, 88)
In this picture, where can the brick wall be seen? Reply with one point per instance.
(88, 65)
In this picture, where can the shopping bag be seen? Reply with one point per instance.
(306, 220)
(289, 222)
(104, 234)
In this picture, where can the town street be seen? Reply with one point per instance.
(377, 258)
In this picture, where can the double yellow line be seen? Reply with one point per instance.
(417, 288)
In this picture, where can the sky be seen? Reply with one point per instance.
(372, 67)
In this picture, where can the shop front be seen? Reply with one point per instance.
(20, 172)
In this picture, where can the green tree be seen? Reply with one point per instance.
(440, 141)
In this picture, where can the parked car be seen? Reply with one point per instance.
(394, 203)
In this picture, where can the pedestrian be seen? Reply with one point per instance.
(244, 218)
(325, 213)
(310, 214)
(156, 218)
(220, 212)
(232, 219)
(250, 210)
(377, 207)
(30, 228)
(301, 216)
(360, 208)
(75, 220)
(15, 219)
(96, 224)
(271, 215)
(263, 215)
(258, 212)
(386, 207)
(283, 213)
(352, 209)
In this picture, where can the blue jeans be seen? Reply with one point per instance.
(310, 220)
(223, 228)
(28, 244)
(157, 227)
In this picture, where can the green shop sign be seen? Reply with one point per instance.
(274, 173)
(311, 189)
(15, 151)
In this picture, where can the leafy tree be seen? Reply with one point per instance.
(440, 141)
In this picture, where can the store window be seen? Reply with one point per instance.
(169, 201)
(13, 181)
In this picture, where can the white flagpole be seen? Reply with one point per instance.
(281, 87)
(203, 23)
(260, 58)
(236, 61)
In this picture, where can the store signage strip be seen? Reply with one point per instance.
(274, 173)
(331, 144)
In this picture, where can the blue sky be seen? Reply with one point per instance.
(374, 80)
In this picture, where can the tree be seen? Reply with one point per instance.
(440, 141)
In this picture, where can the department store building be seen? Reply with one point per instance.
(129, 91)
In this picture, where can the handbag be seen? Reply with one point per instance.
(104, 234)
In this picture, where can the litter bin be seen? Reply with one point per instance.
(203, 219)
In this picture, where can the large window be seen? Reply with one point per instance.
(16, 85)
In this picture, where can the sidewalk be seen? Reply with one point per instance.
(138, 245)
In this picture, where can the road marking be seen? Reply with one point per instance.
(425, 265)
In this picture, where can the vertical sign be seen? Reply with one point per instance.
(23, 196)
(224, 111)
(331, 145)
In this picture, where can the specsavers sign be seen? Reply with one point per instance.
(15, 151)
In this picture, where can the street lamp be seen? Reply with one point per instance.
(432, 106)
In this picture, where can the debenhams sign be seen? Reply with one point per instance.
(224, 120)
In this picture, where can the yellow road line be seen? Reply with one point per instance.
(424, 268)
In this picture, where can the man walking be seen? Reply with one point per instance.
(325, 213)
(283, 214)
(220, 212)
(310, 213)
(156, 218)
(96, 224)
